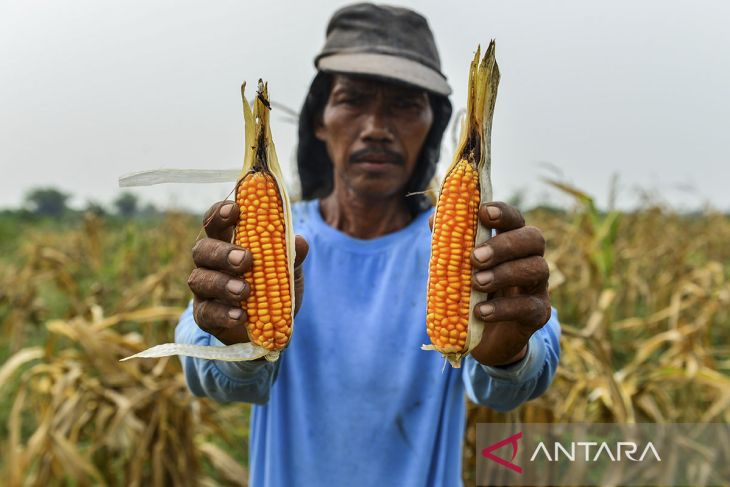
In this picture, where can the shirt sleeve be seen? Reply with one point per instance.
(505, 388)
(223, 381)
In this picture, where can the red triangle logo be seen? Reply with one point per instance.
(512, 440)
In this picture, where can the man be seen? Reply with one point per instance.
(354, 400)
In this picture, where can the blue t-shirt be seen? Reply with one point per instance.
(354, 400)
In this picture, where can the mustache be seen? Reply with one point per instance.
(381, 154)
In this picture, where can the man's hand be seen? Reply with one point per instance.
(510, 267)
(217, 281)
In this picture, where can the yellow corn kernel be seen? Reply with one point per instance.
(459, 196)
(270, 271)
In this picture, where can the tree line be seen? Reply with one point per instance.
(50, 202)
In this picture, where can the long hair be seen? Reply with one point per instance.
(315, 166)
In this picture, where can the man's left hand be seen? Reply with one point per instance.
(511, 268)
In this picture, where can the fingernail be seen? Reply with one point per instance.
(234, 313)
(235, 286)
(486, 309)
(494, 212)
(225, 210)
(485, 277)
(483, 253)
(235, 257)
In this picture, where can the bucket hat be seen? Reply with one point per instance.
(383, 41)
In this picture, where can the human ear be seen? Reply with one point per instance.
(320, 132)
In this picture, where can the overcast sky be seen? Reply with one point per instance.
(91, 90)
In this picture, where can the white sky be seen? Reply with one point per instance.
(91, 90)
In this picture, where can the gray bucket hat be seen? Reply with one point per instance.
(385, 42)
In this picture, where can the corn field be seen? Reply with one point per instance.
(642, 297)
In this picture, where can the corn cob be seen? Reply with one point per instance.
(265, 229)
(450, 322)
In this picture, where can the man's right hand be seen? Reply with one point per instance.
(217, 281)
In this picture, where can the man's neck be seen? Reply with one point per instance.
(364, 219)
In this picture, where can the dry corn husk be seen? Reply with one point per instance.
(475, 148)
(260, 156)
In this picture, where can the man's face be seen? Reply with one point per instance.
(374, 132)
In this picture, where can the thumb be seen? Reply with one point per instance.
(301, 247)
(430, 221)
